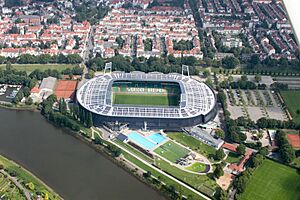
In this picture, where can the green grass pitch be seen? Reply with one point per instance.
(273, 181)
(145, 99)
(171, 151)
(291, 99)
(146, 93)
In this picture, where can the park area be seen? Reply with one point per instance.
(171, 151)
(25, 177)
(8, 190)
(31, 67)
(273, 181)
(197, 167)
(291, 99)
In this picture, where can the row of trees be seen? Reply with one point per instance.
(241, 181)
(285, 149)
(39, 75)
(165, 64)
(43, 59)
(14, 77)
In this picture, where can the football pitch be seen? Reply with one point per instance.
(171, 151)
(273, 181)
(146, 94)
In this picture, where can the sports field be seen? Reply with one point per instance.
(146, 93)
(171, 151)
(273, 181)
(291, 99)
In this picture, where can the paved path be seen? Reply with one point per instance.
(14, 180)
(163, 173)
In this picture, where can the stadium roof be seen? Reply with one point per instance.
(196, 97)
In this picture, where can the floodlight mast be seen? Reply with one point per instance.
(108, 66)
(185, 68)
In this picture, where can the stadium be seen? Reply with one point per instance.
(161, 100)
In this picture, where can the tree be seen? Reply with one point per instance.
(230, 62)
(257, 78)
(12, 3)
(8, 66)
(244, 78)
(218, 172)
(241, 149)
(29, 101)
(206, 73)
(219, 154)
(89, 122)
(263, 151)
(257, 160)
(220, 133)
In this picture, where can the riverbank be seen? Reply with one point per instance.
(11, 106)
(69, 166)
(24, 177)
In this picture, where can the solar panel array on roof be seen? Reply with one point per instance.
(196, 97)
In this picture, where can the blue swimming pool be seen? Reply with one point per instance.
(157, 138)
(141, 141)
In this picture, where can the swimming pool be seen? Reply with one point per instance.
(157, 138)
(148, 142)
(141, 141)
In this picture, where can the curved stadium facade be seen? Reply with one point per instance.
(196, 101)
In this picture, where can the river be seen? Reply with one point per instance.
(70, 167)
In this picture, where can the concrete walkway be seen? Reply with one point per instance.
(162, 172)
(14, 180)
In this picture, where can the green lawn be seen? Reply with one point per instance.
(31, 67)
(193, 143)
(197, 167)
(163, 178)
(273, 181)
(233, 158)
(200, 182)
(171, 151)
(145, 99)
(291, 99)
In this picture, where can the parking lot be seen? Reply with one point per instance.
(254, 104)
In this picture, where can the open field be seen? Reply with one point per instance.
(26, 177)
(31, 67)
(291, 99)
(193, 143)
(171, 151)
(197, 167)
(273, 181)
(145, 99)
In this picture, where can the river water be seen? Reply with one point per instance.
(70, 167)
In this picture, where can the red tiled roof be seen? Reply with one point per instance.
(230, 147)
